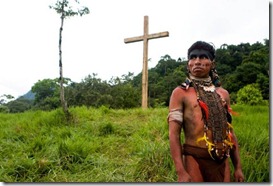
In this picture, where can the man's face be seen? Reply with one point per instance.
(199, 63)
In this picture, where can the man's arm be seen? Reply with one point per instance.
(234, 152)
(235, 158)
(176, 151)
(175, 121)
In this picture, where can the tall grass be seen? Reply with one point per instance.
(252, 131)
(105, 145)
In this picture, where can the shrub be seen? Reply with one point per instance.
(250, 95)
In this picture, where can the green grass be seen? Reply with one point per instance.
(253, 132)
(105, 145)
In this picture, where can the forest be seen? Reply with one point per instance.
(243, 71)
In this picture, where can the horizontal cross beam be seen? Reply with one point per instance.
(150, 36)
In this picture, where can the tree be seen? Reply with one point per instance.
(19, 105)
(46, 94)
(3, 102)
(62, 7)
(4, 98)
(124, 95)
(250, 95)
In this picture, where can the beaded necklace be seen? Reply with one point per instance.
(214, 117)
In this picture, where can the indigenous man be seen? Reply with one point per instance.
(201, 108)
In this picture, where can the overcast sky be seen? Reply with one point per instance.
(94, 43)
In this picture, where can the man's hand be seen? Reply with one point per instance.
(185, 177)
(239, 176)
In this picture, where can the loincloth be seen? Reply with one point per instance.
(212, 171)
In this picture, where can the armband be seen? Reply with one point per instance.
(175, 115)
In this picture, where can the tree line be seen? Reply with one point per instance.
(243, 71)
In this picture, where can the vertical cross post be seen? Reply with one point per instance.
(145, 38)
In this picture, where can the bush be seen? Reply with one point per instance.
(250, 95)
(4, 109)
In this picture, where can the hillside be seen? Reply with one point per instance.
(29, 95)
(107, 145)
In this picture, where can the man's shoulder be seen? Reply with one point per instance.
(182, 90)
(221, 89)
(223, 93)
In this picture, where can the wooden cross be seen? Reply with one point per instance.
(146, 36)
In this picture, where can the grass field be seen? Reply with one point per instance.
(104, 145)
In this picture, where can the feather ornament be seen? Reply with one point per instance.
(204, 107)
(229, 125)
(228, 143)
(208, 143)
(230, 137)
(232, 112)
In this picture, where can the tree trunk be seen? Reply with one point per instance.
(62, 98)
